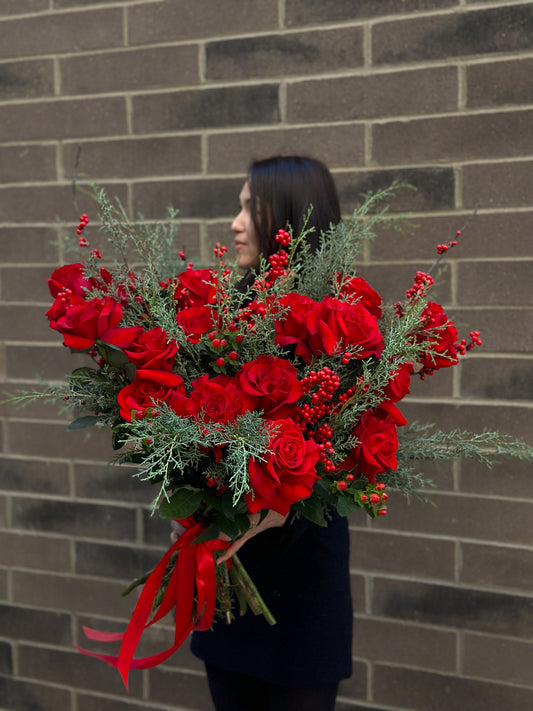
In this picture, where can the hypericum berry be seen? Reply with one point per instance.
(380, 486)
(233, 355)
(342, 485)
(220, 362)
(182, 255)
(374, 498)
(382, 512)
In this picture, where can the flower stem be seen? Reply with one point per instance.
(249, 590)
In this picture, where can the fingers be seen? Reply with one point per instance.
(177, 530)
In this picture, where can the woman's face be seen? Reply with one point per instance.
(246, 242)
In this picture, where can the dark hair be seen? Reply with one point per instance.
(282, 189)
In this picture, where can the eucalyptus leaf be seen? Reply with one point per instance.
(82, 423)
(181, 504)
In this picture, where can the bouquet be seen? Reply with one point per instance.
(238, 396)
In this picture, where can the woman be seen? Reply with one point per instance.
(301, 569)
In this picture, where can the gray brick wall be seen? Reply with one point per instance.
(169, 101)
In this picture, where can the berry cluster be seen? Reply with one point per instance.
(443, 248)
(224, 344)
(283, 238)
(475, 340)
(421, 283)
(84, 220)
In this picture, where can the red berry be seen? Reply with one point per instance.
(220, 362)
(342, 485)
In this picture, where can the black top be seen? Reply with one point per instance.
(302, 572)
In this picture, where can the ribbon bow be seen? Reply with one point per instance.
(193, 572)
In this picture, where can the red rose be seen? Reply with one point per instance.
(357, 289)
(68, 286)
(269, 384)
(339, 325)
(378, 443)
(292, 329)
(217, 400)
(195, 321)
(197, 287)
(97, 319)
(398, 386)
(441, 336)
(288, 473)
(153, 349)
(148, 389)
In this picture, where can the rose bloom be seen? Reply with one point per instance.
(378, 443)
(149, 388)
(200, 285)
(338, 325)
(216, 400)
(97, 319)
(195, 321)
(292, 329)
(288, 474)
(442, 337)
(153, 349)
(356, 288)
(68, 286)
(269, 384)
(398, 386)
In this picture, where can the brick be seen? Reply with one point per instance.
(392, 280)
(497, 566)
(71, 594)
(500, 184)
(99, 703)
(52, 665)
(494, 378)
(355, 686)
(415, 689)
(52, 440)
(130, 70)
(474, 478)
(480, 136)
(39, 361)
(123, 562)
(167, 21)
(400, 643)
(22, 244)
(423, 557)
(23, 322)
(206, 108)
(66, 118)
(3, 511)
(59, 33)
(24, 623)
(499, 83)
(36, 552)
(133, 158)
(434, 188)
(498, 659)
(499, 283)
(205, 197)
(27, 163)
(337, 146)
(35, 476)
(22, 694)
(6, 658)
(19, 7)
(446, 606)
(472, 517)
(377, 95)
(167, 686)
(156, 531)
(506, 330)
(305, 12)
(285, 55)
(26, 79)
(3, 581)
(482, 237)
(49, 203)
(440, 385)
(110, 483)
(15, 283)
(69, 3)
(73, 518)
(459, 34)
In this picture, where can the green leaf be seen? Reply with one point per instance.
(181, 504)
(228, 526)
(346, 504)
(82, 423)
(312, 509)
(208, 534)
(113, 355)
(84, 372)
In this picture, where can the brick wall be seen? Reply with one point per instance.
(169, 101)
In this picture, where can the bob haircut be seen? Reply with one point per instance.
(282, 189)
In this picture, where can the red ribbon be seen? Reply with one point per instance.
(194, 570)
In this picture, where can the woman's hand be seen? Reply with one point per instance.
(273, 519)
